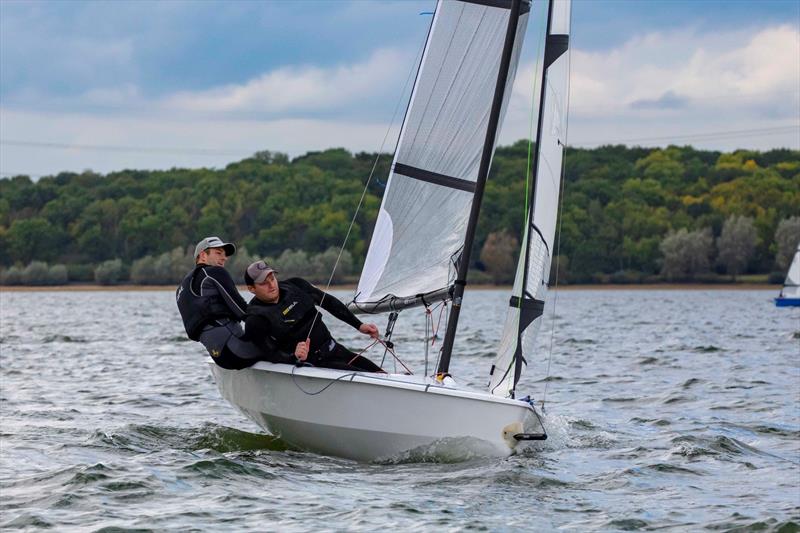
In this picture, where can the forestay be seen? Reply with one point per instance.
(420, 230)
(533, 269)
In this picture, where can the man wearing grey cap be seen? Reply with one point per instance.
(286, 313)
(212, 308)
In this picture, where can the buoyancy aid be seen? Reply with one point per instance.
(290, 318)
(197, 311)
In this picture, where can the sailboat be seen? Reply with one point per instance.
(790, 293)
(420, 252)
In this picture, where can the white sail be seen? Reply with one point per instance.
(791, 287)
(421, 225)
(533, 270)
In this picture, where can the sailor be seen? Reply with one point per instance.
(212, 309)
(286, 313)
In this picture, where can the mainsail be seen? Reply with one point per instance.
(419, 234)
(533, 269)
(791, 287)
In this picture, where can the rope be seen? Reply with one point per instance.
(435, 333)
(389, 349)
(428, 322)
(397, 358)
(350, 362)
(560, 222)
(323, 389)
(446, 311)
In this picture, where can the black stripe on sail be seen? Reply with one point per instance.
(525, 6)
(434, 177)
(527, 303)
(529, 310)
(556, 45)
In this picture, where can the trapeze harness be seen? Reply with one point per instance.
(212, 318)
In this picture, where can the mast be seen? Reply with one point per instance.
(480, 185)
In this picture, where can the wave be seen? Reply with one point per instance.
(63, 338)
(718, 445)
(147, 438)
(706, 349)
(225, 468)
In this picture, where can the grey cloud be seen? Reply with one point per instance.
(668, 100)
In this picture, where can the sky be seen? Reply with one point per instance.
(120, 85)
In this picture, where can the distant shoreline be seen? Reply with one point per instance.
(604, 287)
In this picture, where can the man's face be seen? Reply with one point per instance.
(268, 290)
(213, 257)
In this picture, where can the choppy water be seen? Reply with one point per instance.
(666, 409)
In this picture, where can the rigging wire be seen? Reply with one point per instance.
(711, 136)
(123, 148)
(708, 136)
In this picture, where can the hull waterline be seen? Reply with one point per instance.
(787, 302)
(370, 417)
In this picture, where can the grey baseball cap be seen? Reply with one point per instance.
(214, 242)
(257, 272)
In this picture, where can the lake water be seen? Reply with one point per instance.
(666, 409)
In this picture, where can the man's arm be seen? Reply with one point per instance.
(329, 303)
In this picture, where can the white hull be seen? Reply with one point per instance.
(371, 417)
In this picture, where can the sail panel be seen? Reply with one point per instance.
(533, 270)
(791, 287)
(420, 229)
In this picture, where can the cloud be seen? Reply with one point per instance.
(304, 89)
(39, 57)
(709, 71)
(668, 100)
(681, 83)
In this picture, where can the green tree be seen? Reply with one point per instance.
(35, 238)
(662, 166)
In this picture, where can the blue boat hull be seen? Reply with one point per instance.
(787, 302)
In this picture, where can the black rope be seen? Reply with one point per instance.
(323, 389)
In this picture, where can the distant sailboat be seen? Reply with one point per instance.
(790, 293)
(419, 253)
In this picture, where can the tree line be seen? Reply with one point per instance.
(628, 214)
